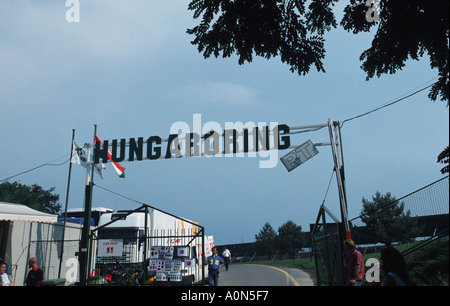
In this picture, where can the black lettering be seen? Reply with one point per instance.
(114, 150)
(285, 141)
(245, 140)
(207, 151)
(153, 152)
(173, 146)
(101, 152)
(229, 137)
(136, 148)
(192, 140)
(262, 138)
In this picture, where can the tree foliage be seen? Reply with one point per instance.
(289, 239)
(386, 221)
(265, 240)
(444, 159)
(266, 28)
(33, 196)
(294, 30)
(429, 266)
(408, 29)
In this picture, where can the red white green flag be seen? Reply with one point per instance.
(119, 169)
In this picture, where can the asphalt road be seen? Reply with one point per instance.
(260, 275)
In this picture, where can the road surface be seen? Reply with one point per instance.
(261, 275)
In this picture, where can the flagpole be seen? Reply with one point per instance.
(67, 201)
(85, 235)
(93, 146)
(91, 185)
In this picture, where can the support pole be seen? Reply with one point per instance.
(145, 267)
(204, 265)
(67, 204)
(339, 177)
(83, 254)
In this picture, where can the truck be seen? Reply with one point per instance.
(171, 250)
(76, 215)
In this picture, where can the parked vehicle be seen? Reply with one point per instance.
(76, 215)
(171, 247)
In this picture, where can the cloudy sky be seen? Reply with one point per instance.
(129, 67)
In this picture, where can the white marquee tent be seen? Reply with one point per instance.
(19, 212)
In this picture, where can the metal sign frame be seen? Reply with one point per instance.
(336, 148)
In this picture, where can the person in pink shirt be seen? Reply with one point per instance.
(354, 262)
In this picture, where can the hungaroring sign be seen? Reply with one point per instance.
(299, 155)
(237, 138)
(230, 141)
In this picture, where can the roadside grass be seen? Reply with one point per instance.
(305, 264)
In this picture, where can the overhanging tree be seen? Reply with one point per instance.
(294, 30)
(444, 158)
(408, 29)
(33, 196)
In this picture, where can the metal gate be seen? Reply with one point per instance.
(327, 248)
(145, 255)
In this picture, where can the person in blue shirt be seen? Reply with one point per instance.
(214, 262)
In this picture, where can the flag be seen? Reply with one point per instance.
(79, 157)
(117, 167)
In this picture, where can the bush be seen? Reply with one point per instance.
(429, 266)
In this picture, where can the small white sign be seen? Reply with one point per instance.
(154, 252)
(182, 251)
(176, 265)
(189, 263)
(161, 276)
(110, 247)
(153, 266)
(299, 155)
(175, 277)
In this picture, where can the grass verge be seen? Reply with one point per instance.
(304, 264)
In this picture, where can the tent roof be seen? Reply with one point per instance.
(19, 212)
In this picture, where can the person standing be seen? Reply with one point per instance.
(6, 279)
(214, 263)
(35, 275)
(226, 254)
(394, 268)
(354, 262)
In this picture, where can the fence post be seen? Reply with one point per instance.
(203, 256)
(144, 267)
(334, 130)
(273, 258)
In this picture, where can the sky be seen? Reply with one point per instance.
(129, 68)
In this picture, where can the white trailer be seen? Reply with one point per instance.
(173, 250)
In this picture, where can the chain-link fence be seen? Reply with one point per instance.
(403, 222)
(326, 238)
(407, 223)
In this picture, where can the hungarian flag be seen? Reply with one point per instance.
(119, 169)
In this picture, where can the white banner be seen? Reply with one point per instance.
(110, 247)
